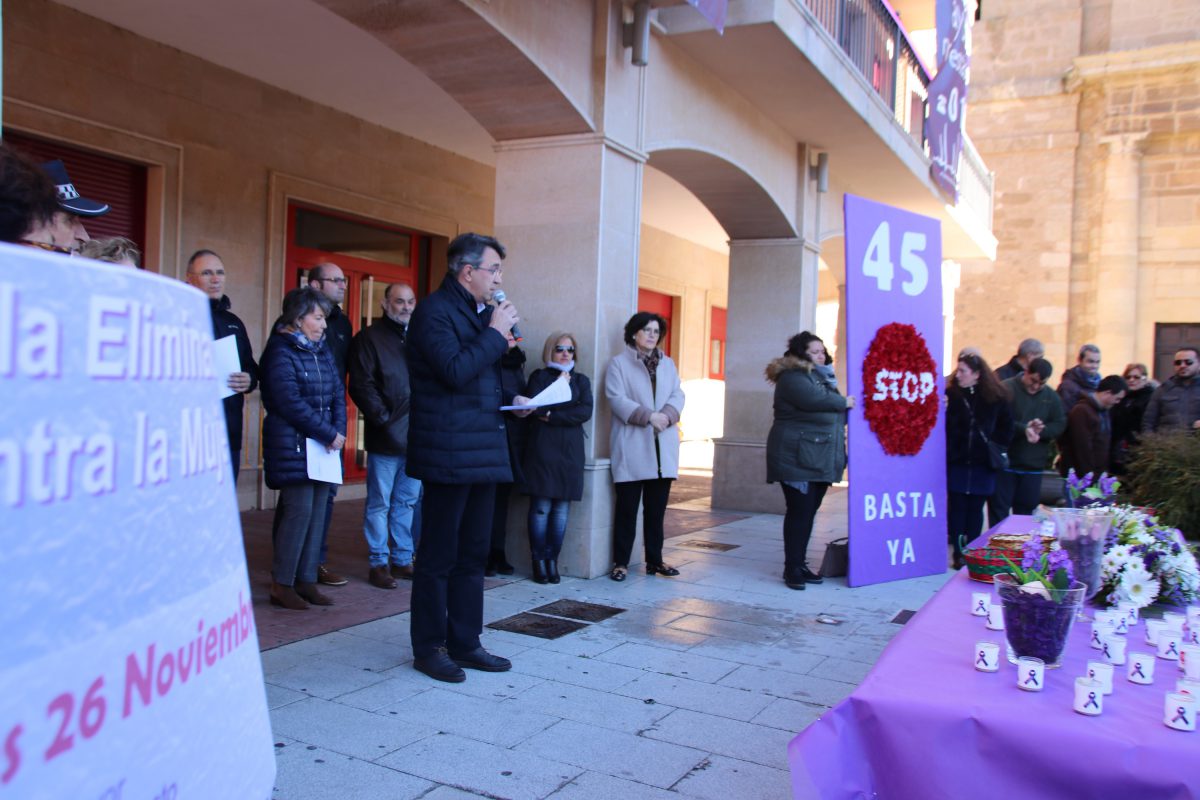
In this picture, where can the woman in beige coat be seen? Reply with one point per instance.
(643, 390)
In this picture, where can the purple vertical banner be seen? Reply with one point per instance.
(948, 95)
(897, 473)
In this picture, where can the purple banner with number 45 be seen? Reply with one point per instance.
(893, 358)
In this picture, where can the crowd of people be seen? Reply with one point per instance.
(451, 432)
(1004, 427)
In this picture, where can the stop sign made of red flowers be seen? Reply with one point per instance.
(900, 399)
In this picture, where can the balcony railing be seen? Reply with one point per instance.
(869, 33)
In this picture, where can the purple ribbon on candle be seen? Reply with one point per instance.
(981, 607)
(1171, 648)
(1032, 678)
(1137, 667)
(1180, 715)
(1092, 701)
(982, 659)
(1106, 653)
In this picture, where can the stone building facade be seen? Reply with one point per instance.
(1088, 111)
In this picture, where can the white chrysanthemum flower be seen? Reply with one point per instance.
(1121, 552)
(1138, 586)
(1141, 537)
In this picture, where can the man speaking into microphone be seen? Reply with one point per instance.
(458, 448)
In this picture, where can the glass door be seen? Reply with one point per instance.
(372, 256)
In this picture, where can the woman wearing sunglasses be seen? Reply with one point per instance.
(553, 462)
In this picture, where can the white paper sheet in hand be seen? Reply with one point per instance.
(323, 465)
(225, 362)
(559, 391)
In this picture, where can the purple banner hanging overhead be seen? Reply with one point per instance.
(897, 496)
(948, 94)
(713, 11)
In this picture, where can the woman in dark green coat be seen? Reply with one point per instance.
(806, 449)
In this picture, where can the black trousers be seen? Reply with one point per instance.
(653, 496)
(798, 522)
(447, 592)
(965, 519)
(500, 518)
(1016, 493)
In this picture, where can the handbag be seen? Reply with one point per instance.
(836, 562)
(997, 455)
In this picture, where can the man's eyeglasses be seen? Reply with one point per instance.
(560, 348)
(492, 270)
(1184, 362)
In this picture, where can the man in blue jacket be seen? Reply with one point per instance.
(458, 448)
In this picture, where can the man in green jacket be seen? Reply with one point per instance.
(1038, 419)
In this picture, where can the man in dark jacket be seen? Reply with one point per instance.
(1027, 351)
(1081, 379)
(1087, 444)
(328, 279)
(1037, 420)
(380, 388)
(206, 272)
(458, 448)
(1176, 404)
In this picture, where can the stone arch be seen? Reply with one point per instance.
(745, 209)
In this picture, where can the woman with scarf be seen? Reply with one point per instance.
(806, 448)
(304, 398)
(643, 390)
(977, 415)
(553, 466)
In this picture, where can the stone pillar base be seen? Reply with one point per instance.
(740, 479)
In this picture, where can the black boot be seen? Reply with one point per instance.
(809, 576)
(539, 571)
(793, 579)
(552, 570)
(489, 569)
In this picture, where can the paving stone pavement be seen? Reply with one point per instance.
(693, 692)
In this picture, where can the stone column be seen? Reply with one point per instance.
(1117, 273)
(772, 295)
(568, 208)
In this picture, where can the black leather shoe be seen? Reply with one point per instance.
(539, 571)
(661, 569)
(440, 667)
(552, 570)
(793, 579)
(809, 576)
(482, 660)
(489, 569)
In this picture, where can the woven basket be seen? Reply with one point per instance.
(983, 563)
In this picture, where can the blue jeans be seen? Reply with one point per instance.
(388, 518)
(547, 526)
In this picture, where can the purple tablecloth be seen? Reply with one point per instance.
(925, 724)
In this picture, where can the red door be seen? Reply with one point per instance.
(372, 256)
(716, 344)
(664, 306)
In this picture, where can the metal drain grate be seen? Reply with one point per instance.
(902, 617)
(575, 609)
(538, 625)
(700, 544)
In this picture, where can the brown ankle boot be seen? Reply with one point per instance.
(287, 597)
(312, 594)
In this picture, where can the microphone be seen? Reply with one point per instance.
(500, 297)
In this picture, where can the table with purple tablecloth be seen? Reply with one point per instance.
(924, 724)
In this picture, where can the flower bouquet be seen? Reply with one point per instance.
(1082, 493)
(1146, 562)
(1040, 599)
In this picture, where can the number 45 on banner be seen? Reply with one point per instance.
(877, 260)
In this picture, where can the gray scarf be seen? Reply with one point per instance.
(824, 374)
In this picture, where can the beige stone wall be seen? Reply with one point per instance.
(1023, 123)
(234, 135)
(1137, 74)
(699, 277)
